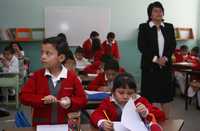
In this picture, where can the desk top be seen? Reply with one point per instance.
(168, 125)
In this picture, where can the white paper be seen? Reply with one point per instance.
(93, 75)
(119, 127)
(95, 92)
(131, 119)
(60, 127)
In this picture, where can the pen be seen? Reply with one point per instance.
(106, 115)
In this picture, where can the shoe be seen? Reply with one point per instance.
(4, 112)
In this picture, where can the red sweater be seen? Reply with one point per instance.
(37, 87)
(99, 81)
(87, 49)
(113, 50)
(111, 111)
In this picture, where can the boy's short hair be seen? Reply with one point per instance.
(59, 45)
(124, 80)
(96, 44)
(94, 34)
(111, 35)
(9, 49)
(63, 37)
(184, 47)
(106, 58)
(79, 50)
(195, 49)
(111, 65)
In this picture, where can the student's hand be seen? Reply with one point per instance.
(161, 61)
(107, 125)
(49, 99)
(104, 88)
(142, 110)
(65, 102)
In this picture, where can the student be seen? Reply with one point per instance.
(87, 45)
(124, 88)
(104, 80)
(52, 91)
(9, 60)
(181, 54)
(81, 61)
(19, 53)
(70, 62)
(110, 46)
(96, 49)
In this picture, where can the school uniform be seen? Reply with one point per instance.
(82, 63)
(92, 68)
(42, 84)
(97, 55)
(13, 65)
(99, 81)
(111, 49)
(114, 111)
(87, 49)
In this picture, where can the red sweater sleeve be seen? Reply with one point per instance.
(28, 96)
(115, 51)
(159, 115)
(78, 100)
(97, 82)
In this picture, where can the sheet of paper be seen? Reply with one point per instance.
(119, 127)
(131, 119)
(60, 127)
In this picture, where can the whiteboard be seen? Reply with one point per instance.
(77, 22)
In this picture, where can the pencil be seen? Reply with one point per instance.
(106, 115)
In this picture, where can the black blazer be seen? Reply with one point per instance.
(148, 45)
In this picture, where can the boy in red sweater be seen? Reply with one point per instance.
(87, 45)
(110, 46)
(53, 91)
(104, 80)
(124, 88)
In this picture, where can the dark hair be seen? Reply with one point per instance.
(184, 47)
(106, 58)
(79, 50)
(9, 49)
(59, 45)
(17, 43)
(111, 35)
(63, 38)
(96, 44)
(111, 65)
(154, 5)
(94, 34)
(195, 49)
(69, 55)
(124, 80)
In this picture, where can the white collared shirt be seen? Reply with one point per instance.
(13, 65)
(160, 38)
(63, 74)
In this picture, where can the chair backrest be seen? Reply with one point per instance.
(21, 120)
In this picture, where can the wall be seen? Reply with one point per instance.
(126, 15)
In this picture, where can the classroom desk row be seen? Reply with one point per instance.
(168, 125)
(186, 68)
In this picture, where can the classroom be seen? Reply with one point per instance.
(30, 22)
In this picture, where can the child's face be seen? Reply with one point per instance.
(111, 74)
(110, 40)
(7, 55)
(122, 95)
(15, 47)
(49, 56)
(157, 14)
(184, 52)
(79, 56)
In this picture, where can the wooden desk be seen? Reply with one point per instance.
(10, 80)
(168, 125)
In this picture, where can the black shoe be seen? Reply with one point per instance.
(4, 112)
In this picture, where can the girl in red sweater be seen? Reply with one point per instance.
(53, 91)
(124, 88)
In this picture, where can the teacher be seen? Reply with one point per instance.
(156, 42)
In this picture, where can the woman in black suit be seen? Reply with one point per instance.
(156, 42)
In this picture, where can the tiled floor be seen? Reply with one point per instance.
(191, 116)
